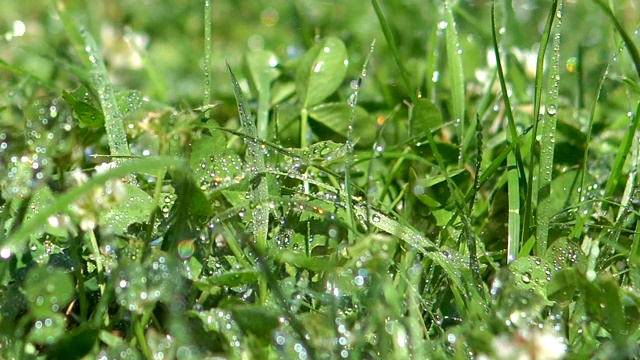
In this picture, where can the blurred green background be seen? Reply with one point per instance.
(168, 36)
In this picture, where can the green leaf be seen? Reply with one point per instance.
(563, 254)
(335, 116)
(128, 101)
(48, 290)
(258, 320)
(531, 273)
(261, 68)
(426, 117)
(321, 71)
(563, 285)
(47, 330)
(74, 345)
(15, 244)
(87, 114)
(136, 208)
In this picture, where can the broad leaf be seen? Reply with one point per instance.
(321, 71)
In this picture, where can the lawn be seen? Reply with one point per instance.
(319, 179)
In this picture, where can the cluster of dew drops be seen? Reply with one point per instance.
(28, 150)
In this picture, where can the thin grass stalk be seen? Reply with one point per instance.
(206, 96)
(513, 181)
(584, 209)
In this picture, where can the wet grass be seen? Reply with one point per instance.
(319, 180)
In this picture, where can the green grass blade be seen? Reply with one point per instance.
(537, 101)
(16, 243)
(255, 159)
(623, 153)
(455, 68)
(547, 142)
(386, 30)
(628, 41)
(116, 134)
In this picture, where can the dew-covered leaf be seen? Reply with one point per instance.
(530, 273)
(42, 199)
(222, 322)
(128, 101)
(47, 330)
(300, 260)
(563, 254)
(140, 286)
(48, 290)
(135, 208)
(434, 191)
(321, 71)
(87, 114)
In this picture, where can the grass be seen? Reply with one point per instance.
(319, 180)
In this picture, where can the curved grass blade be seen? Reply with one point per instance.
(16, 243)
(255, 160)
(353, 102)
(415, 239)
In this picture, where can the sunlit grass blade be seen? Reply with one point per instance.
(456, 73)
(415, 239)
(206, 96)
(386, 30)
(16, 242)
(116, 133)
(528, 220)
(628, 41)
(547, 141)
(622, 154)
(255, 159)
